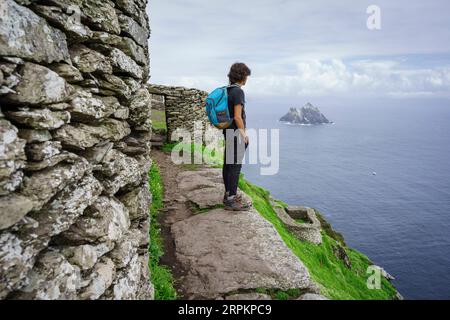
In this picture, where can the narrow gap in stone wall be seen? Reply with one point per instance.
(159, 121)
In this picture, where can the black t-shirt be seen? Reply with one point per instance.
(236, 96)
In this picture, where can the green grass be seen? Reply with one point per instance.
(280, 203)
(161, 276)
(275, 294)
(159, 121)
(326, 227)
(213, 158)
(302, 221)
(280, 294)
(336, 281)
(199, 210)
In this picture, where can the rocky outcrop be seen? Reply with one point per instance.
(74, 150)
(307, 115)
(223, 252)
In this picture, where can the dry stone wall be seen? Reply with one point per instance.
(184, 107)
(74, 149)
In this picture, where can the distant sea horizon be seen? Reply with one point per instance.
(398, 217)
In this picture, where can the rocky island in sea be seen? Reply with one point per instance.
(308, 114)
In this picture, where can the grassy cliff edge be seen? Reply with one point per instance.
(330, 273)
(335, 279)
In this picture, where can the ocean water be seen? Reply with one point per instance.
(399, 217)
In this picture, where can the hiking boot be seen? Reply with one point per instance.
(225, 197)
(241, 200)
(233, 204)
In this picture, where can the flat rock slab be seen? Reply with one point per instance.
(223, 251)
(312, 296)
(204, 187)
(249, 296)
(194, 180)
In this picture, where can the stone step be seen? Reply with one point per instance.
(235, 251)
(232, 251)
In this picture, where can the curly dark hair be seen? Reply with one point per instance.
(238, 72)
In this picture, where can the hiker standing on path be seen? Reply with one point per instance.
(236, 139)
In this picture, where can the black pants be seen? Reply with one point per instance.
(232, 164)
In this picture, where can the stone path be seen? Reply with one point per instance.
(217, 253)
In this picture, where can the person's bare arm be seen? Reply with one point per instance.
(239, 121)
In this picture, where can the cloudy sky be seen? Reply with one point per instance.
(313, 48)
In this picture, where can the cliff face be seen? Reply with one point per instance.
(74, 149)
(308, 114)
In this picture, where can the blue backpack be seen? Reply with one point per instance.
(217, 108)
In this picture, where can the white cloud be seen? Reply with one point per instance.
(360, 77)
(319, 78)
(298, 47)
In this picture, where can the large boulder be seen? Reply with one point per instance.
(69, 204)
(13, 208)
(52, 278)
(101, 15)
(12, 157)
(132, 29)
(113, 85)
(139, 143)
(51, 161)
(127, 283)
(105, 220)
(134, 9)
(42, 151)
(142, 229)
(118, 171)
(40, 119)
(68, 72)
(33, 135)
(99, 279)
(124, 64)
(39, 85)
(125, 250)
(81, 136)
(24, 34)
(87, 60)
(9, 76)
(87, 255)
(43, 185)
(138, 201)
(69, 23)
(17, 256)
(140, 110)
(86, 107)
(96, 154)
(146, 290)
(125, 44)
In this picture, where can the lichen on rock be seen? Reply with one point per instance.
(71, 138)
